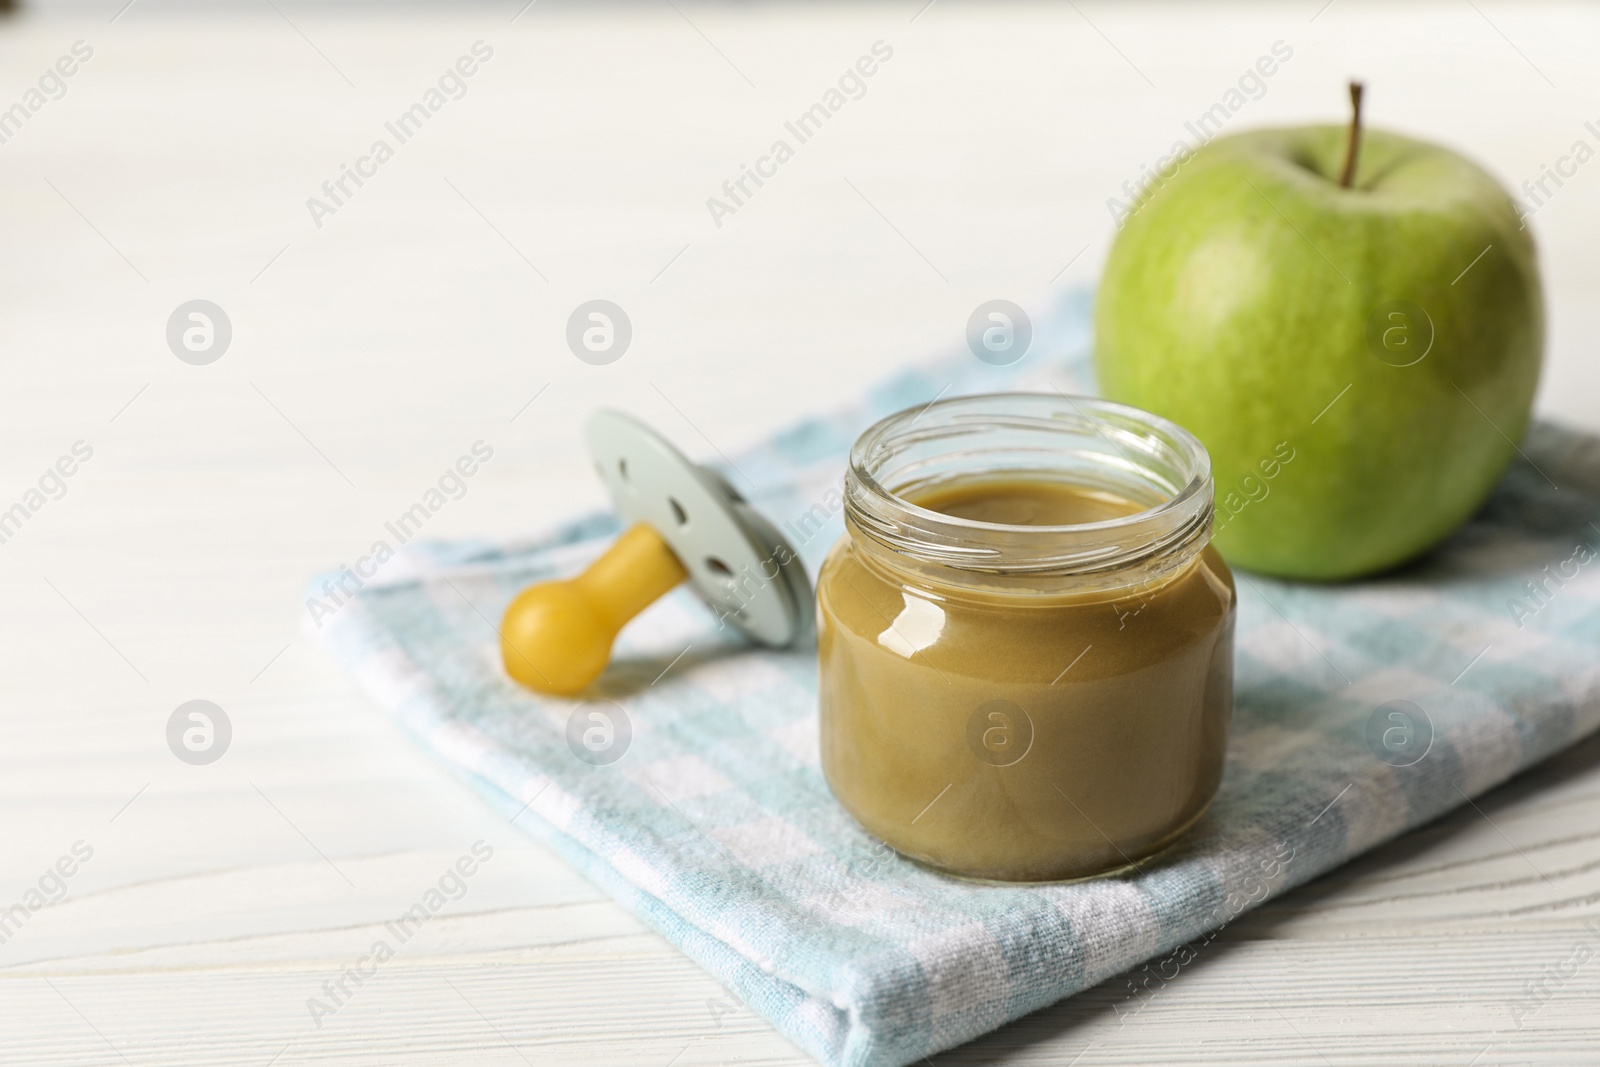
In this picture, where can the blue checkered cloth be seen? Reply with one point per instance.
(716, 827)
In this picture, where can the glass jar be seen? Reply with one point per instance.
(1020, 701)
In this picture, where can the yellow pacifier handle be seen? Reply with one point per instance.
(556, 637)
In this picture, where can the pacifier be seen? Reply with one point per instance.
(683, 521)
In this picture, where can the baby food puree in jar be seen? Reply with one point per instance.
(1025, 642)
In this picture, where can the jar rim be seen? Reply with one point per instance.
(1152, 456)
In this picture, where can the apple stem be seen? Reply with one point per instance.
(1353, 147)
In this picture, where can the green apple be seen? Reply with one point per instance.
(1358, 361)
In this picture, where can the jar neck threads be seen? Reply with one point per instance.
(1086, 442)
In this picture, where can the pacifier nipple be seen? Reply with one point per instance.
(557, 636)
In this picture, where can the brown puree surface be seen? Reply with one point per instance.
(1003, 731)
(1011, 502)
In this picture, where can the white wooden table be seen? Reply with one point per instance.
(428, 311)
